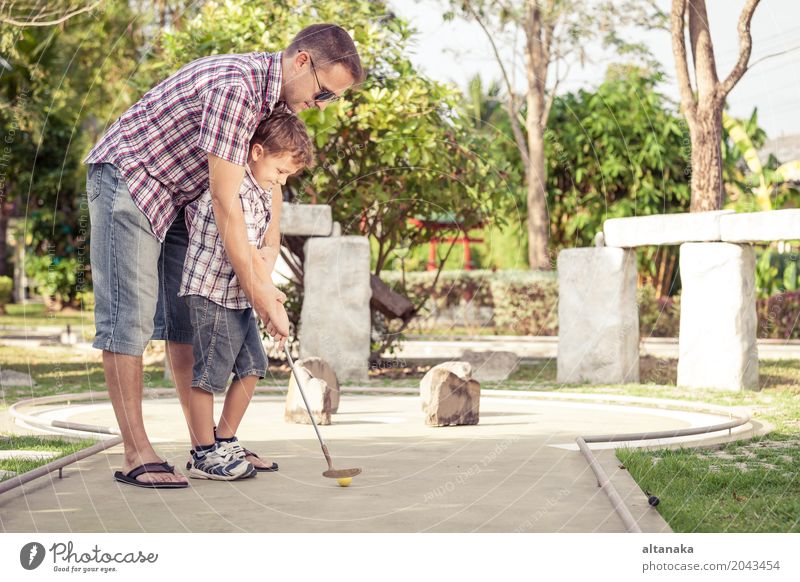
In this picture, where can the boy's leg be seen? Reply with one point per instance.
(201, 417)
(124, 258)
(250, 366)
(236, 401)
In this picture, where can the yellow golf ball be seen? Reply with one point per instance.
(344, 481)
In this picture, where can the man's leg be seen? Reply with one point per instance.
(124, 257)
(172, 321)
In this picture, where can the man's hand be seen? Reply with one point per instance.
(269, 307)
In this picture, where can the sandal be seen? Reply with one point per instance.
(130, 477)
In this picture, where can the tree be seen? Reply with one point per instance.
(56, 81)
(702, 105)
(398, 147)
(555, 33)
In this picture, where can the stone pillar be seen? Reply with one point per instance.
(335, 322)
(598, 321)
(717, 343)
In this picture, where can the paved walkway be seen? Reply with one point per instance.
(514, 472)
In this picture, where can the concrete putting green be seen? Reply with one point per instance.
(516, 471)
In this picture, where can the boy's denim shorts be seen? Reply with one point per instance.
(225, 341)
(136, 278)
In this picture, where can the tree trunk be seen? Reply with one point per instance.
(707, 186)
(706, 127)
(537, 62)
(538, 222)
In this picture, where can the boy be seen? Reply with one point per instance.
(225, 333)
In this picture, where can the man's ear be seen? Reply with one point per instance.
(301, 60)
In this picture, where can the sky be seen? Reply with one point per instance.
(456, 50)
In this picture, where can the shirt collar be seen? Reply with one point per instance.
(254, 186)
(274, 78)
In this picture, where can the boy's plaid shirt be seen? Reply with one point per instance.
(206, 269)
(160, 145)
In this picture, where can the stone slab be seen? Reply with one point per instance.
(771, 225)
(306, 219)
(663, 229)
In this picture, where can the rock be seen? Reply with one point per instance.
(663, 229)
(337, 229)
(318, 395)
(306, 219)
(717, 342)
(761, 226)
(598, 321)
(20, 454)
(321, 369)
(335, 320)
(450, 396)
(9, 378)
(7, 474)
(491, 366)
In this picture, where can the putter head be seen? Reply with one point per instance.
(341, 473)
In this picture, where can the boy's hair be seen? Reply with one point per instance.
(329, 44)
(282, 133)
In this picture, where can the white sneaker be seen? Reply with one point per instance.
(219, 464)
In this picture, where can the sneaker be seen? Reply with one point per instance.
(218, 464)
(233, 448)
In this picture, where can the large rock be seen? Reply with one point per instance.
(9, 378)
(335, 321)
(598, 321)
(717, 343)
(306, 219)
(491, 366)
(321, 369)
(450, 396)
(663, 229)
(318, 395)
(761, 226)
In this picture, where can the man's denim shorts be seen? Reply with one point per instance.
(225, 341)
(136, 278)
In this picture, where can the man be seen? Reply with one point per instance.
(189, 132)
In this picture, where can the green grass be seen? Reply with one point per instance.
(31, 315)
(32, 443)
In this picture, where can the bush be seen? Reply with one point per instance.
(6, 285)
(658, 316)
(778, 316)
(526, 303)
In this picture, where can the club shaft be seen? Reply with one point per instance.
(300, 387)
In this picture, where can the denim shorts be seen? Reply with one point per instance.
(136, 278)
(225, 341)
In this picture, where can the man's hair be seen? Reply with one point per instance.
(329, 44)
(282, 133)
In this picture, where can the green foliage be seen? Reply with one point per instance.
(617, 151)
(6, 286)
(658, 316)
(399, 146)
(778, 316)
(528, 309)
(64, 82)
(56, 277)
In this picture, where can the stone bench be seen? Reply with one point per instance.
(598, 313)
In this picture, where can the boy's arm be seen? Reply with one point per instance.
(225, 179)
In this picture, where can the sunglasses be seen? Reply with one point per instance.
(324, 95)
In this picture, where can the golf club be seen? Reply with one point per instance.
(331, 472)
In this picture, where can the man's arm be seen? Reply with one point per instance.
(225, 179)
(271, 247)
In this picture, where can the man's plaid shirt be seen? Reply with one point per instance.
(206, 269)
(160, 145)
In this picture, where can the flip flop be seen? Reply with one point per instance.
(130, 477)
(271, 469)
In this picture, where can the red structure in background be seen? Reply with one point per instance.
(440, 225)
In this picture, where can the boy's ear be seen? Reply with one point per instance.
(257, 152)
